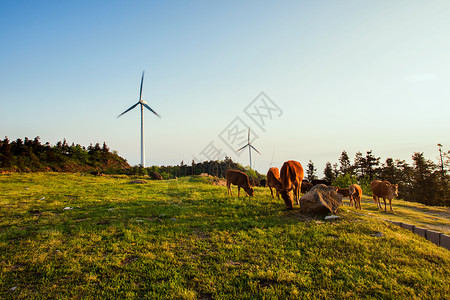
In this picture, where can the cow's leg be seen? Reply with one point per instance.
(278, 194)
(351, 200)
(271, 192)
(375, 200)
(390, 204)
(239, 190)
(384, 199)
(296, 194)
(229, 189)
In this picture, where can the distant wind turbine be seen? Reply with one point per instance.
(143, 104)
(250, 147)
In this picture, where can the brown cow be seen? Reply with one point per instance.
(355, 193)
(240, 179)
(291, 179)
(343, 192)
(274, 181)
(383, 189)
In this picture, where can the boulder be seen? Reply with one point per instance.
(320, 199)
(137, 182)
(155, 176)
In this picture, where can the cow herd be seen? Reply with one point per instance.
(290, 178)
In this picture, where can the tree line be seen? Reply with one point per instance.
(213, 167)
(424, 181)
(31, 156)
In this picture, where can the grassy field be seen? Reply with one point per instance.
(65, 236)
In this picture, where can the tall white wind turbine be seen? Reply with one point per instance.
(143, 104)
(250, 147)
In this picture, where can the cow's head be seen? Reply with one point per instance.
(287, 199)
(351, 189)
(249, 191)
(394, 188)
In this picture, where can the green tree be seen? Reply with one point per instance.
(311, 171)
(425, 181)
(359, 165)
(328, 172)
(346, 165)
(370, 165)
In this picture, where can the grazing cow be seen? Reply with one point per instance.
(306, 186)
(355, 193)
(274, 181)
(262, 183)
(291, 179)
(320, 181)
(240, 179)
(383, 189)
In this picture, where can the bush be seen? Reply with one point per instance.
(344, 181)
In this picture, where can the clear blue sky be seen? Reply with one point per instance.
(344, 75)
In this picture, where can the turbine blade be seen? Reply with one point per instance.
(255, 149)
(142, 82)
(242, 148)
(148, 107)
(128, 110)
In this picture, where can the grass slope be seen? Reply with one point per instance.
(186, 239)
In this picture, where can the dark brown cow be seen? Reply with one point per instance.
(306, 186)
(383, 189)
(262, 183)
(320, 181)
(355, 192)
(274, 181)
(240, 179)
(291, 175)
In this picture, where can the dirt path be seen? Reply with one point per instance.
(429, 217)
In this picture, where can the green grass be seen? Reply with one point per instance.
(186, 239)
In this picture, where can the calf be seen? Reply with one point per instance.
(274, 181)
(291, 175)
(355, 193)
(383, 189)
(343, 192)
(240, 179)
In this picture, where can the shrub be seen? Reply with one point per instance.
(344, 181)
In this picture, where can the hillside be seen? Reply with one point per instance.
(81, 236)
(32, 156)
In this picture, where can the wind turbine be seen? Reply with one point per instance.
(250, 147)
(143, 104)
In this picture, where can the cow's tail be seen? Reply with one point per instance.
(374, 198)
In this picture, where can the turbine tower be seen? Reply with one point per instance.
(143, 104)
(250, 147)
